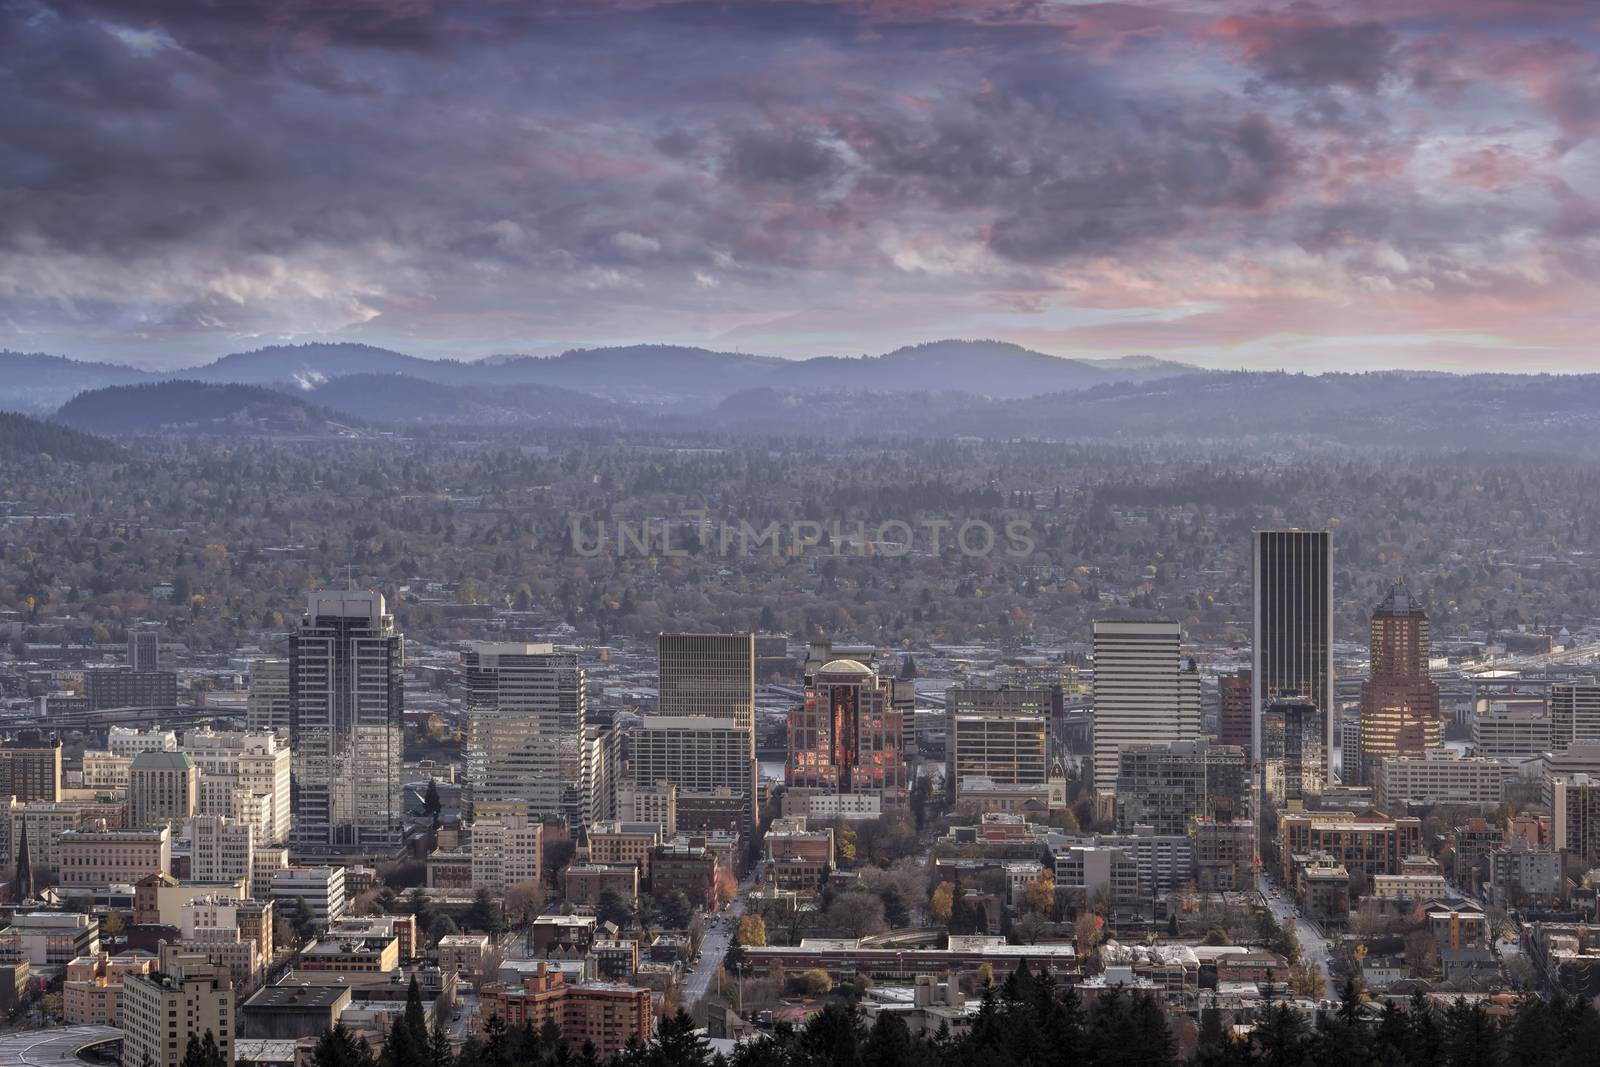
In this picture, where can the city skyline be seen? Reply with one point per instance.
(1343, 186)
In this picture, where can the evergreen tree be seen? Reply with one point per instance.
(338, 1047)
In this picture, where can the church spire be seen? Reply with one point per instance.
(22, 884)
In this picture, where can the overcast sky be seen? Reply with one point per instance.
(1340, 185)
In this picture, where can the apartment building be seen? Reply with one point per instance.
(186, 996)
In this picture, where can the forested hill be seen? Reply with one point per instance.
(202, 406)
(22, 437)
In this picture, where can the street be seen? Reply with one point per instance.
(1313, 944)
(714, 943)
(460, 1026)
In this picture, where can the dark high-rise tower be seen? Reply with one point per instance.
(1399, 701)
(1292, 590)
(346, 688)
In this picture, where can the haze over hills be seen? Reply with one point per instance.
(634, 374)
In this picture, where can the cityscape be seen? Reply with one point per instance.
(799, 533)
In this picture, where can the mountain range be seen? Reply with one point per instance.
(635, 374)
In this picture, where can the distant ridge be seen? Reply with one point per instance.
(651, 374)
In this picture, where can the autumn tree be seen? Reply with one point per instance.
(751, 932)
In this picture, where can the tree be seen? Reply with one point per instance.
(408, 1042)
(1039, 895)
(941, 904)
(301, 921)
(523, 902)
(484, 914)
(431, 804)
(203, 1051)
(814, 981)
(751, 932)
(111, 925)
(338, 1047)
(1088, 929)
(613, 907)
(677, 1044)
(419, 905)
(895, 912)
(856, 913)
(676, 911)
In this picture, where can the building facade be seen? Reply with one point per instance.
(846, 736)
(1399, 700)
(346, 688)
(1292, 641)
(526, 715)
(186, 996)
(163, 788)
(1144, 691)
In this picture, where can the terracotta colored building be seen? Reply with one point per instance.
(606, 1014)
(1399, 701)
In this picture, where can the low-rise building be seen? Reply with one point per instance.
(1370, 843)
(615, 842)
(49, 938)
(1521, 875)
(605, 1015)
(288, 1011)
(1409, 887)
(463, 953)
(320, 888)
(1440, 777)
(585, 883)
(92, 991)
(97, 856)
(688, 869)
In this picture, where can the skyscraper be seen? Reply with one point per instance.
(706, 692)
(144, 647)
(268, 706)
(708, 675)
(1399, 701)
(346, 687)
(1145, 692)
(1292, 642)
(1574, 713)
(526, 714)
(699, 756)
(846, 736)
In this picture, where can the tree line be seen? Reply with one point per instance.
(1030, 1020)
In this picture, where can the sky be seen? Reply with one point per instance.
(1347, 185)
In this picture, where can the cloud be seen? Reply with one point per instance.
(1305, 49)
(472, 176)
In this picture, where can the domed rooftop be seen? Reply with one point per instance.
(845, 666)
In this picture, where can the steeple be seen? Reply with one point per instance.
(22, 884)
